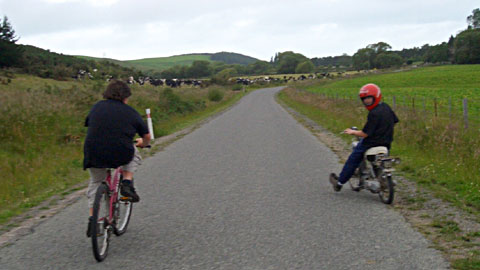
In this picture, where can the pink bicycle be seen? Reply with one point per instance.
(111, 211)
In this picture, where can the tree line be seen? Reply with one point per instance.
(461, 49)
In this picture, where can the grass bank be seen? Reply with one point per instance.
(437, 153)
(42, 132)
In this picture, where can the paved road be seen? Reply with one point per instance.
(248, 190)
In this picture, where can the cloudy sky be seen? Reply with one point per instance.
(128, 29)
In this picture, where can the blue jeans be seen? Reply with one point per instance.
(352, 163)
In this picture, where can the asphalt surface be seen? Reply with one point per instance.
(248, 190)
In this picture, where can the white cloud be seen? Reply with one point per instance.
(127, 29)
(96, 3)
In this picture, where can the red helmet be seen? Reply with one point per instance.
(371, 90)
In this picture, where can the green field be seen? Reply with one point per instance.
(442, 82)
(157, 63)
(456, 81)
(437, 153)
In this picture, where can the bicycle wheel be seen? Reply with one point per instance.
(101, 228)
(123, 211)
(387, 190)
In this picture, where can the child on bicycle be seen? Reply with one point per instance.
(112, 125)
(378, 131)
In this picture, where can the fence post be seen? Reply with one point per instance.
(413, 104)
(394, 103)
(424, 105)
(450, 107)
(465, 112)
(150, 124)
(435, 105)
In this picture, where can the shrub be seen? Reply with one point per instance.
(237, 87)
(215, 95)
(172, 103)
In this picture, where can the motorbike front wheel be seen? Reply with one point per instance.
(387, 190)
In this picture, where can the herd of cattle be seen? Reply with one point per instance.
(82, 74)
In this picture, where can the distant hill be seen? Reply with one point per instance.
(162, 63)
(47, 64)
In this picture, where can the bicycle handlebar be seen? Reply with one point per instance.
(148, 146)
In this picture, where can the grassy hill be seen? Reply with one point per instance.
(46, 64)
(161, 63)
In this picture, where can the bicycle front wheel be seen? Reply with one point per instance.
(101, 229)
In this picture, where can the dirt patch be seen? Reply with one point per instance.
(451, 230)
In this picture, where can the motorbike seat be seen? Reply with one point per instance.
(376, 151)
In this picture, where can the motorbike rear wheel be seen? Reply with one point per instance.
(387, 189)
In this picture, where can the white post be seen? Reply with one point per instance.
(150, 124)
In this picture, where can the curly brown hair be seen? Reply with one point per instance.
(117, 90)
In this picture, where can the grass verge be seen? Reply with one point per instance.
(42, 132)
(428, 159)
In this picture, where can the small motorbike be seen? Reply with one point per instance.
(375, 172)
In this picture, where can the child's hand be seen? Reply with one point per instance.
(349, 131)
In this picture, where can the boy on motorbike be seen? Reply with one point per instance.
(378, 131)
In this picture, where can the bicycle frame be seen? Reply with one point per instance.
(112, 183)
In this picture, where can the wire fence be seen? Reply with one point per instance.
(458, 110)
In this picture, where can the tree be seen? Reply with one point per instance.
(467, 47)
(199, 69)
(366, 58)
(288, 61)
(361, 59)
(305, 67)
(11, 54)
(6, 31)
(438, 53)
(223, 76)
(388, 59)
(259, 68)
(474, 19)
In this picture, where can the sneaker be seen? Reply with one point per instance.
(89, 228)
(334, 182)
(127, 190)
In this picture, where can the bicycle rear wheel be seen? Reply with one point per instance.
(101, 229)
(123, 211)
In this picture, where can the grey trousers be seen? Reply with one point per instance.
(98, 175)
